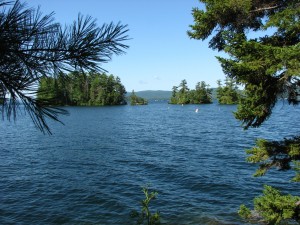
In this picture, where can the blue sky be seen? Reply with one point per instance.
(160, 53)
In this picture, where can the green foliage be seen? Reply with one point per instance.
(228, 93)
(273, 207)
(183, 95)
(202, 94)
(145, 216)
(136, 100)
(257, 106)
(268, 68)
(82, 89)
(34, 46)
(180, 94)
(244, 212)
(279, 154)
(174, 98)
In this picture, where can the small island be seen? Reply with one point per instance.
(228, 94)
(183, 95)
(136, 100)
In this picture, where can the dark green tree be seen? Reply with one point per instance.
(183, 93)
(174, 96)
(136, 100)
(78, 85)
(228, 93)
(119, 92)
(47, 89)
(267, 66)
(33, 46)
(203, 94)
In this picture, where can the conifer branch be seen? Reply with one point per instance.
(33, 46)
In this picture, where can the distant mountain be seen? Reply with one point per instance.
(153, 95)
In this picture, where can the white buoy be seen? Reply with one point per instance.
(196, 110)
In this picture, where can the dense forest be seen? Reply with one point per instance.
(80, 89)
(202, 94)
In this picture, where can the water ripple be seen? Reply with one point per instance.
(91, 170)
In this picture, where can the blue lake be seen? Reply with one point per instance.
(91, 170)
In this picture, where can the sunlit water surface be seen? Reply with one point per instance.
(91, 170)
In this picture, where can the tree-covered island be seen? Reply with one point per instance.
(136, 100)
(228, 93)
(82, 89)
(202, 94)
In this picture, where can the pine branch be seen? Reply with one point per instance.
(33, 46)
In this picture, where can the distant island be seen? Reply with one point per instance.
(162, 95)
(137, 100)
(181, 94)
(228, 93)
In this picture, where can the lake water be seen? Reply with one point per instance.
(91, 170)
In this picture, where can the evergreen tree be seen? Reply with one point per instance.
(228, 94)
(203, 94)
(183, 93)
(136, 100)
(34, 46)
(267, 66)
(62, 90)
(119, 93)
(174, 96)
(46, 89)
(53, 91)
(133, 98)
(78, 95)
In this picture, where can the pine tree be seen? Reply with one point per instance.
(267, 66)
(174, 99)
(201, 95)
(136, 100)
(183, 93)
(228, 94)
(33, 46)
